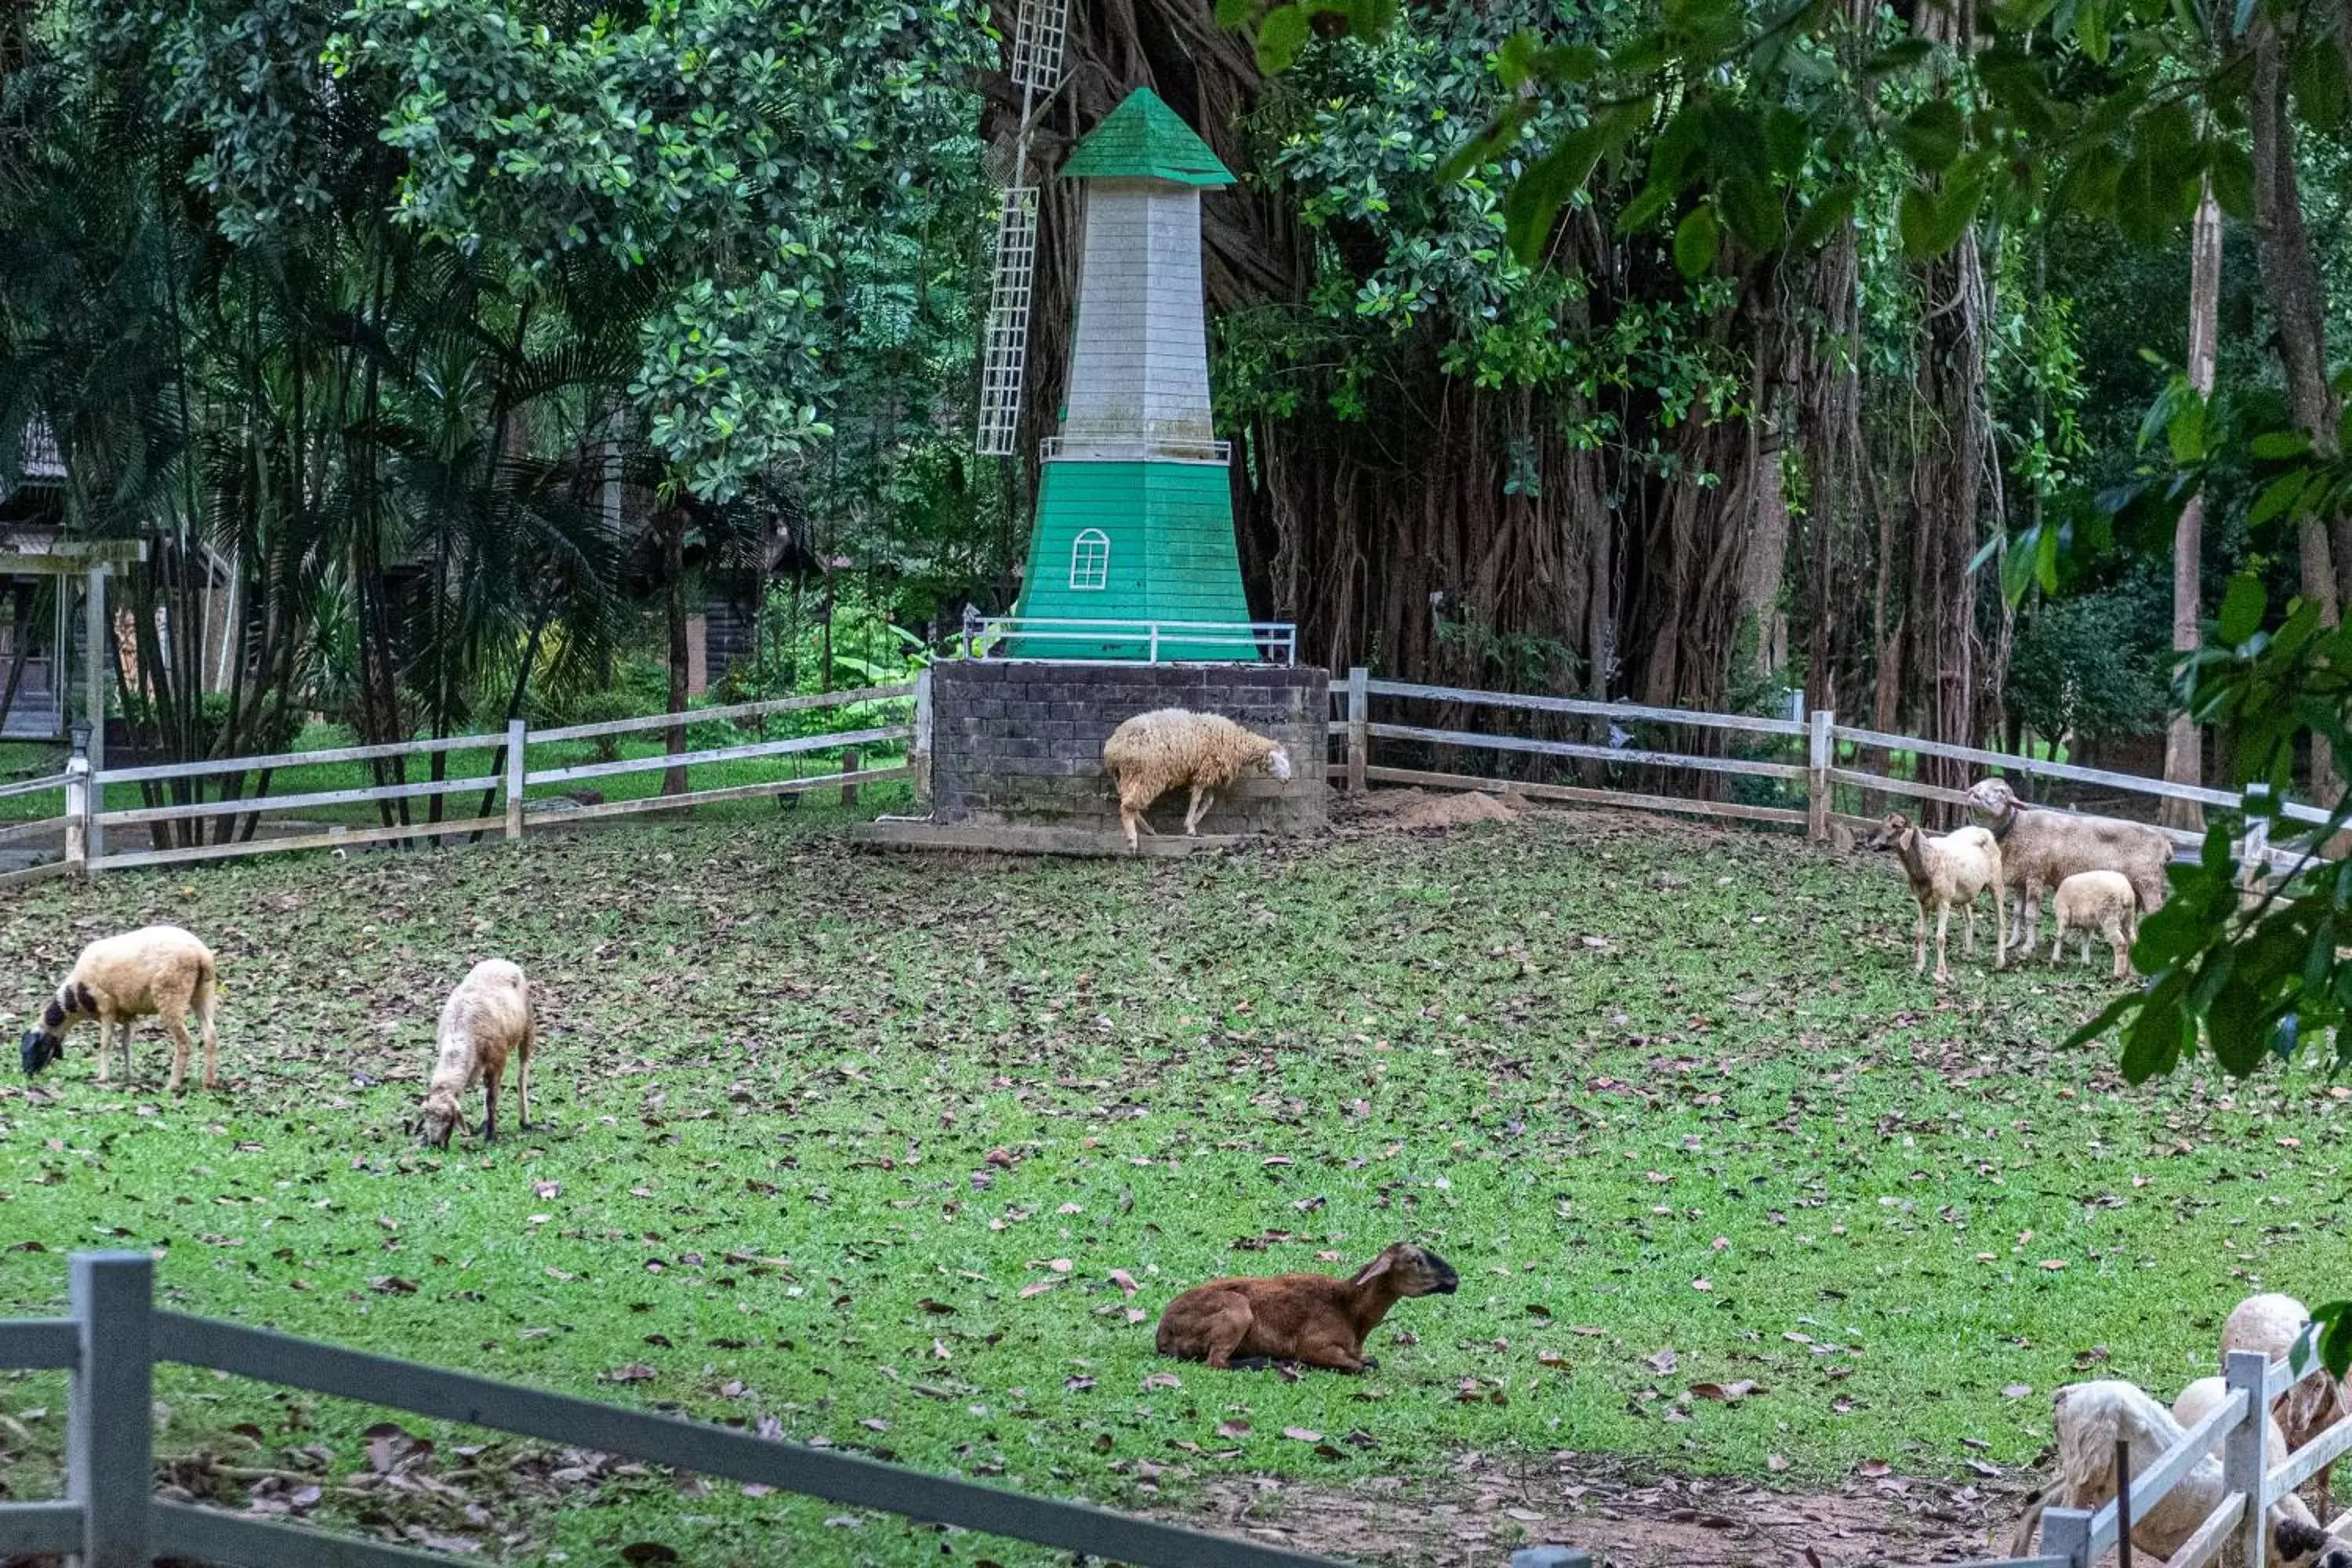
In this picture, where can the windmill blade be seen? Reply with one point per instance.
(1039, 33)
(1006, 355)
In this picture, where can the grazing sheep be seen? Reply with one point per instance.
(1948, 872)
(2101, 901)
(2271, 1323)
(2091, 1417)
(1153, 752)
(486, 1017)
(2041, 848)
(158, 969)
(1309, 1317)
(2204, 1396)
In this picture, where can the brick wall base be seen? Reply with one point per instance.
(1021, 742)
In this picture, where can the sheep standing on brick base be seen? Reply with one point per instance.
(2101, 902)
(158, 969)
(2041, 848)
(486, 1019)
(1152, 753)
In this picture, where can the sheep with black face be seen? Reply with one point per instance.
(160, 972)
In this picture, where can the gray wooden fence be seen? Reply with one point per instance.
(110, 1518)
(1817, 737)
(90, 832)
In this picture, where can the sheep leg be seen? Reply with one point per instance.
(204, 999)
(1202, 798)
(1919, 942)
(522, 1075)
(176, 1026)
(1223, 1333)
(490, 1109)
(1943, 924)
(2058, 949)
(105, 1047)
(2122, 946)
(1969, 935)
(1328, 1353)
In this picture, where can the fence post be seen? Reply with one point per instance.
(77, 811)
(1819, 750)
(1359, 732)
(517, 738)
(849, 771)
(918, 746)
(111, 1423)
(2066, 1532)
(97, 630)
(2242, 1459)
(2254, 856)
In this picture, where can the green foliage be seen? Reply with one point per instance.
(2092, 664)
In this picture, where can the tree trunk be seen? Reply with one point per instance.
(2299, 306)
(673, 547)
(2183, 746)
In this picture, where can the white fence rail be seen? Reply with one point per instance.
(92, 835)
(111, 1519)
(1152, 642)
(1818, 778)
(2078, 1538)
(66, 828)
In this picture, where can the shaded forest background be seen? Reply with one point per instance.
(464, 355)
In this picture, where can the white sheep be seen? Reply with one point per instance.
(1152, 753)
(2091, 1418)
(1946, 873)
(161, 971)
(486, 1019)
(2204, 1396)
(2041, 848)
(2100, 901)
(2271, 1323)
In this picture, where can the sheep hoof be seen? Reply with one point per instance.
(1371, 1364)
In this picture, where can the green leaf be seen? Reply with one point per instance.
(1931, 135)
(1896, 56)
(2277, 446)
(1916, 218)
(1828, 213)
(1489, 145)
(2336, 1339)
(1279, 38)
(1539, 193)
(2241, 609)
(2156, 1042)
(2283, 496)
(2237, 1025)
(2185, 431)
(1695, 240)
(2091, 28)
(2231, 169)
(1645, 208)
(1234, 13)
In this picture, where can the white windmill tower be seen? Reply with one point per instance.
(1038, 31)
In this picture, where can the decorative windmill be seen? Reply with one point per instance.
(1131, 556)
(1038, 32)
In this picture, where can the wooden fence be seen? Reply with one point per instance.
(90, 833)
(1819, 768)
(32, 835)
(2077, 1537)
(111, 1518)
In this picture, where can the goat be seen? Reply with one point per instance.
(1944, 873)
(2271, 1323)
(1309, 1317)
(158, 969)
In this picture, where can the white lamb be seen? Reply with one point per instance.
(1153, 752)
(2271, 1323)
(486, 1019)
(2204, 1396)
(2091, 1418)
(157, 969)
(1948, 872)
(2100, 901)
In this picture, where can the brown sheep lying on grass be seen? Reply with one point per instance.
(1309, 1317)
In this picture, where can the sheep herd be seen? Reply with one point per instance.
(2093, 1417)
(2102, 873)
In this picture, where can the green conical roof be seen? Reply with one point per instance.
(1142, 139)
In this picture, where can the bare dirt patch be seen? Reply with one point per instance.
(1407, 810)
(1478, 1516)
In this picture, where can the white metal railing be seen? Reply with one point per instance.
(111, 1519)
(1133, 449)
(2077, 1537)
(1152, 642)
(67, 826)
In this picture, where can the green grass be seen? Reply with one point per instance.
(1594, 1067)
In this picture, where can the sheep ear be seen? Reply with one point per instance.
(1376, 1267)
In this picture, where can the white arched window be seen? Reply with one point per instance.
(1090, 560)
